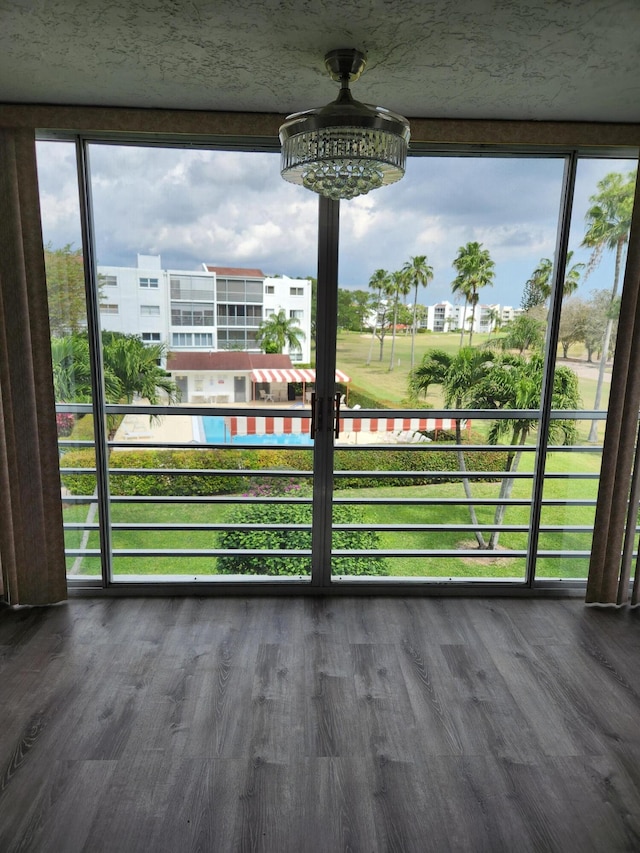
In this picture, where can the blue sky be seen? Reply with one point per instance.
(233, 209)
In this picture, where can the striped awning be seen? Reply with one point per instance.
(288, 425)
(291, 375)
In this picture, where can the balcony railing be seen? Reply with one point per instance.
(403, 508)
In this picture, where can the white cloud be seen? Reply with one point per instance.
(233, 208)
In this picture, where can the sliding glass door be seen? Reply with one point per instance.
(409, 387)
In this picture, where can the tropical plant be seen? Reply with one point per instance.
(514, 382)
(477, 378)
(608, 221)
(475, 270)
(419, 273)
(456, 375)
(130, 369)
(494, 318)
(279, 331)
(136, 367)
(538, 288)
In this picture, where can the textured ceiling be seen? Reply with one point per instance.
(517, 59)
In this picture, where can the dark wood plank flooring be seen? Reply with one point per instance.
(284, 724)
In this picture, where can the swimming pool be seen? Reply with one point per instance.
(216, 432)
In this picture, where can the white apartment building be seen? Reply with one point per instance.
(211, 309)
(446, 317)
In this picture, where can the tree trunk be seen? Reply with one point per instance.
(413, 327)
(467, 487)
(513, 460)
(593, 432)
(473, 320)
(393, 335)
(464, 317)
(375, 326)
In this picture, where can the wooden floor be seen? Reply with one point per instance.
(304, 725)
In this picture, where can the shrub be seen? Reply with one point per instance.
(251, 461)
(278, 538)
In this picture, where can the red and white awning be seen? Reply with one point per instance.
(300, 374)
(288, 425)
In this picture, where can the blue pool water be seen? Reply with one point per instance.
(215, 432)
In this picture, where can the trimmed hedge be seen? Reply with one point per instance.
(280, 539)
(255, 460)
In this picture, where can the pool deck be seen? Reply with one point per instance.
(181, 429)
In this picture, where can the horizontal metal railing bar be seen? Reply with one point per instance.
(408, 528)
(428, 447)
(204, 553)
(453, 414)
(306, 552)
(193, 552)
(292, 472)
(241, 499)
(199, 472)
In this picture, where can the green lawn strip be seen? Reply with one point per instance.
(484, 565)
(390, 387)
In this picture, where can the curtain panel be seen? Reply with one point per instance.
(617, 507)
(31, 533)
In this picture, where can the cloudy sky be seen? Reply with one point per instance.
(233, 209)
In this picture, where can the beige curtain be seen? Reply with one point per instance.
(609, 569)
(31, 535)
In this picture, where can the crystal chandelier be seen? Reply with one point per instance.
(346, 148)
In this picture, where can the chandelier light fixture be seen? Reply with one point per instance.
(347, 148)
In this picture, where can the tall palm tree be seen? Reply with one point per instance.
(608, 222)
(378, 282)
(494, 318)
(541, 281)
(400, 285)
(419, 273)
(278, 331)
(475, 271)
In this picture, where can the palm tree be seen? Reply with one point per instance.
(475, 271)
(541, 281)
(136, 366)
(278, 331)
(514, 382)
(419, 273)
(456, 375)
(400, 286)
(494, 318)
(72, 371)
(608, 223)
(480, 379)
(379, 282)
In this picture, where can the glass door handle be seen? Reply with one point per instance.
(337, 425)
(313, 415)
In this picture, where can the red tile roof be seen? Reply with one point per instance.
(225, 360)
(235, 271)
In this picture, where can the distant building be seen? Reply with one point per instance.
(212, 309)
(446, 317)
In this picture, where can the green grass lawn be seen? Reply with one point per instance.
(390, 386)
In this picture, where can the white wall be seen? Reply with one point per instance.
(282, 297)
